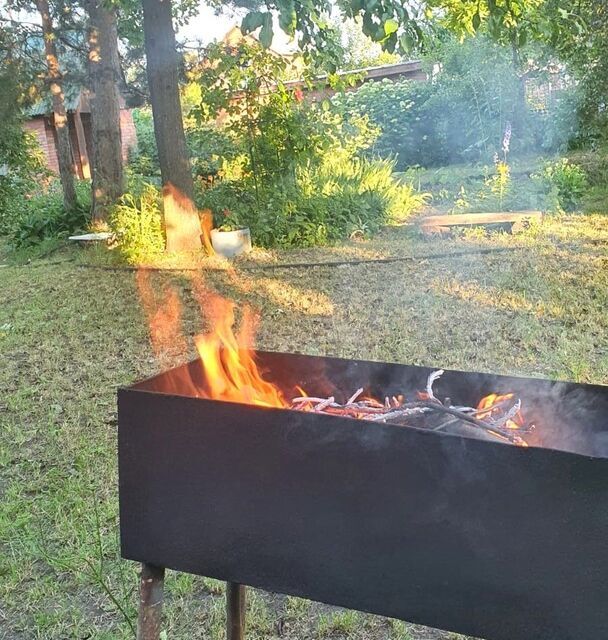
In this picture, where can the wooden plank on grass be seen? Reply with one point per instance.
(466, 219)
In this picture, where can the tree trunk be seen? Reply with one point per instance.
(54, 77)
(107, 170)
(182, 224)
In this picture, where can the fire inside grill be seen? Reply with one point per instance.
(231, 373)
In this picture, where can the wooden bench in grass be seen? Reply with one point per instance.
(518, 220)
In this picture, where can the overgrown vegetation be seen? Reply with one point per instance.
(34, 218)
(525, 183)
(567, 183)
(137, 225)
(292, 171)
(24, 170)
(460, 115)
(301, 174)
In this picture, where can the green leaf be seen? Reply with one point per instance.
(406, 42)
(287, 19)
(266, 32)
(368, 26)
(252, 21)
(390, 43)
(390, 26)
(522, 38)
(476, 21)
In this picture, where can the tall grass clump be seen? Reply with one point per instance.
(137, 225)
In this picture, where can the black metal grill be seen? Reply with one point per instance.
(477, 537)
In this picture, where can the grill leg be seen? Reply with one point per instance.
(235, 611)
(150, 602)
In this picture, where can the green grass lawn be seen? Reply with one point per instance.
(70, 335)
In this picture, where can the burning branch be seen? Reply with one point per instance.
(490, 418)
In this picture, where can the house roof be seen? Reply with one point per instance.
(373, 73)
(72, 97)
(75, 98)
(387, 70)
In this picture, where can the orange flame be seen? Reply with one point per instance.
(229, 369)
(164, 317)
(495, 404)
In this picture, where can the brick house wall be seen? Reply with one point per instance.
(41, 127)
(127, 132)
(45, 133)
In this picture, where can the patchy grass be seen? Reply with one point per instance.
(70, 335)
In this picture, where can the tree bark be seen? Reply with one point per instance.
(54, 78)
(107, 170)
(182, 224)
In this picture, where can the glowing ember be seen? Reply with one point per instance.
(493, 406)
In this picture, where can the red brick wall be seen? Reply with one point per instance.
(40, 125)
(127, 132)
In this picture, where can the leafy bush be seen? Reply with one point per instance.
(594, 164)
(24, 165)
(566, 183)
(40, 217)
(206, 144)
(294, 173)
(460, 114)
(143, 159)
(341, 198)
(408, 131)
(137, 225)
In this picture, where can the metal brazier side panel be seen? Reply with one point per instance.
(476, 537)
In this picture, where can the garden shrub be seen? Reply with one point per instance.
(313, 189)
(137, 224)
(42, 216)
(408, 130)
(460, 114)
(340, 198)
(25, 169)
(295, 173)
(207, 144)
(143, 159)
(566, 181)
